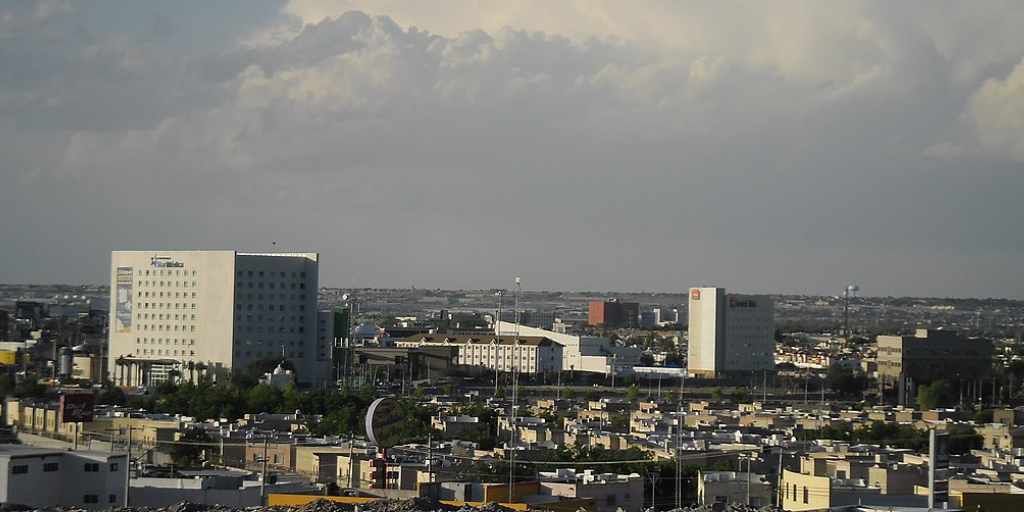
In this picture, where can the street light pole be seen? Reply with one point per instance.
(497, 346)
(515, 396)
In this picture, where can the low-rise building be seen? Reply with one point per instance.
(42, 477)
(733, 487)
(609, 491)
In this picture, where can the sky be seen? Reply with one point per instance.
(785, 147)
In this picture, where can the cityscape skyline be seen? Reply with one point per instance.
(786, 148)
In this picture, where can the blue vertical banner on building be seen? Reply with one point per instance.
(124, 299)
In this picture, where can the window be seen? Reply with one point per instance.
(91, 467)
(51, 466)
(113, 467)
(19, 470)
(91, 498)
(113, 498)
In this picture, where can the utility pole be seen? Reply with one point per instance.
(782, 452)
(351, 441)
(748, 479)
(653, 475)
(128, 469)
(678, 454)
(263, 477)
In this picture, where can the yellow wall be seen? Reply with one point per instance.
(8, 357)
(817, 489)
(989, 502)
(302, 499)
(499, 492)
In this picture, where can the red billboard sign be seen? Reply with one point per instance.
(76, 408)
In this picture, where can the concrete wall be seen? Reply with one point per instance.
(805, 492)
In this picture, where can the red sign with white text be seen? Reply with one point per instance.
(76, 408)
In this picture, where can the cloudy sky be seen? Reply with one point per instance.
(769, 147)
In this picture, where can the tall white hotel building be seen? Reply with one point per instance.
(730, 333)
(203, 312)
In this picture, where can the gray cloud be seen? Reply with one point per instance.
(811, 150)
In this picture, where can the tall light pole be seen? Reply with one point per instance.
(497, 332)
(515, 396)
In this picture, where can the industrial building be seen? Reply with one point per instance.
(932, 354)
(730, 333)
(524, 354)
(612, 313)
(196, 312)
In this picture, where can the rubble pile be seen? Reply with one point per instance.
(382, 505)
(731, 507)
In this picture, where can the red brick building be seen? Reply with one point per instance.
(613, 313)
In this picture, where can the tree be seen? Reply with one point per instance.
(264, 398)
(267, 364)
(842, 380)
(367, 392)
(633, 393)
(935, 395)
(984, 416)
(740, 395)
(188, 451)
(29, 387)
(716, 394)
(964, 438)
(568, 393)
(673, 359)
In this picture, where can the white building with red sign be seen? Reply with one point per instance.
(730, 333)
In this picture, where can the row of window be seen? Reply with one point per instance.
(155, 316)
(270, 296)
(166, 284)
(163, 352)
(271, 318)
(90, 467)
(269, 307)
(168, 305)
(161, 327)
(163, 341)
(169, 273)
(261, 273)
(94, 498)
(270, 285)
(270, 330)
(162, 295)
(274, 343)
(260, 353)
